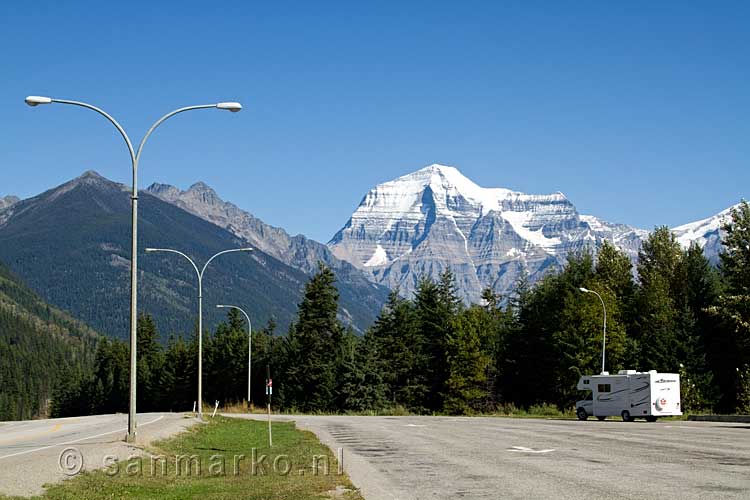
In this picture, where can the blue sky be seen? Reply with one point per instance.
(638, 111)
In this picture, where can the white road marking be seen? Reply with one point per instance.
(76, 440)
(523, 449)
(415, 425)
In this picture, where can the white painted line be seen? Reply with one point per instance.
(76, 440)
(415, 425)
(523, 449)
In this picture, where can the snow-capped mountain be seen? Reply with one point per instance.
(421, 223)
(707, 233)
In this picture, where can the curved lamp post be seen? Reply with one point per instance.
(200, 310)
(249, 349)
(135, 155)
(604, 338)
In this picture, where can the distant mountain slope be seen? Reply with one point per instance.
(38, 343)
(707, 233)
(421, 223)
(359, 295)
(72, 245)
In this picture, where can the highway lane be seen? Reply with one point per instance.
(418, 458)
(30, 450)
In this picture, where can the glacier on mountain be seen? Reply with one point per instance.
(426, 221)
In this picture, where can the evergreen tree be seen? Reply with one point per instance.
(312, 347)
(615, 272)
(265, 354)
(227, 360)
(179, 376)
(465, 390)
(496, 323)
(398, 349)
(735, 259)
(703, 290)
(150, 364)
(436, 305)
(361, 386)
(660, 303)
(729, 348)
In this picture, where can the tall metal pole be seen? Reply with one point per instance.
(604, 337)
(200, 310)
(134, 160)
(249, 364)
(249, 349)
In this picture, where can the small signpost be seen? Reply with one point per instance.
(269, 392)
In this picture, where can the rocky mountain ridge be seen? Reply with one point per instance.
(426, 221)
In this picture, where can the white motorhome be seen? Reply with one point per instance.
(630, 394)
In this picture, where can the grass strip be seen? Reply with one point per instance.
(225, 458)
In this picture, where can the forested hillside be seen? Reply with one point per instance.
(71, 244)
(39, 345)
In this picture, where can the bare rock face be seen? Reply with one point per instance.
(435, 218)
(361, 298)
(7, 201)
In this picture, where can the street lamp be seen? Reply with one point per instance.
(35, 100)
(200, 310)
(249, 349)
(604, 338)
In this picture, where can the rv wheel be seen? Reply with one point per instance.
(582, 415)
(626, 416)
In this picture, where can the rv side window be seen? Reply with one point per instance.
(585, 382)
(604, 388)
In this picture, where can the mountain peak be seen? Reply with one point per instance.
(7, 201)
(197, 194)
(89, 177)
(438, 167)
(91, 174)
(423, 222)
(201, 187)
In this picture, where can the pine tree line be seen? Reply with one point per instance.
(433, 354)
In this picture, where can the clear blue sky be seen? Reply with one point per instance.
(638, 111)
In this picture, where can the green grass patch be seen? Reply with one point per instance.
(298, 467)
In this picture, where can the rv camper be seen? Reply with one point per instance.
(630, 395)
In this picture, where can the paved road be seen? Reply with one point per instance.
(30, 450)
(489, 458)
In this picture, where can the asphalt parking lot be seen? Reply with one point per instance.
(448, 458)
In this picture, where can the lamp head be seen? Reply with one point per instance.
(35, 100)
(149, 250)
(248, 249)
(585, 290)
(221, 306)
(234, 107)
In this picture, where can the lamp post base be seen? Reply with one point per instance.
(130, 437)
